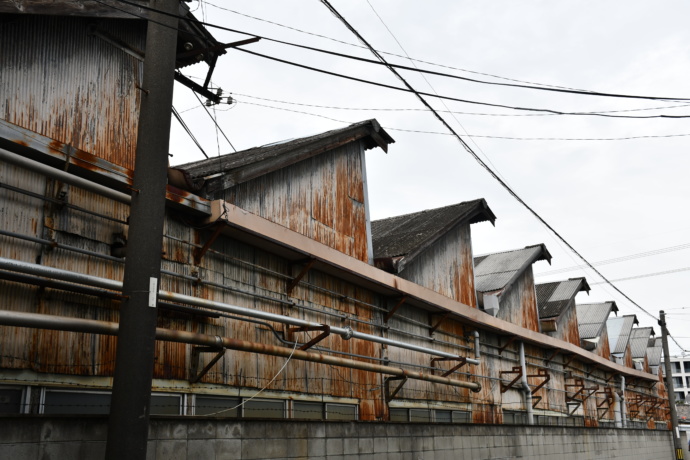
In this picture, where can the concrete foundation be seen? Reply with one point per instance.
(83, 438)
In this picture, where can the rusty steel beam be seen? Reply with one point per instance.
(390, 395)
(199, 253)
(433, 328)
(295, 281)
(39, 321)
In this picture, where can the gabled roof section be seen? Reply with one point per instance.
(619, 332)
(409, 235)
(554, 298)
(591, 318)
(495, 272)
(235, 168)
(639, 340)
(655, 352)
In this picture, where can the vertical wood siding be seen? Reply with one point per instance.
(518, 304)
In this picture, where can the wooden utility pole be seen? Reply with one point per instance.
(669, 387)
(128, 423)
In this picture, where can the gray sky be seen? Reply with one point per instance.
(608, 198)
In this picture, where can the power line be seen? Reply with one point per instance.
(414, 69)
(619, 259)
(484, 165)
(382, 109)
(218, 128)
(390, 53)
(483, 136)
(646, 275)
(189, 132)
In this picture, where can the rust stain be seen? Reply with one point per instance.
(56, 146)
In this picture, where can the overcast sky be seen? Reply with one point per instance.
(608, 198)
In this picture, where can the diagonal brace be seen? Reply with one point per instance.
(295, 281)
(324, 327)
(390, 395)
(461, 362)
(196, 354)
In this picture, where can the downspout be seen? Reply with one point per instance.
(477, 351)
(624, 409)
(617, 410)
(525, 386)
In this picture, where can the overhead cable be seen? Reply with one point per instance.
(484, 165)
(189, 132)
(414, 69)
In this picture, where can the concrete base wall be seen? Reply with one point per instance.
(61, 438)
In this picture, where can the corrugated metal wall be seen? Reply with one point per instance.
(322, 198)
(447, 267)
(51, 70)
(518, 304)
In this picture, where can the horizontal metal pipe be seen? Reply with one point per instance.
(33, 320)
(345, 332)
(18, 160)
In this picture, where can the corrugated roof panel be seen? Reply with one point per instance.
(639, 339)
(619, 332)
(591, 318)
(554, 298)
(402, 235)
(494, 271)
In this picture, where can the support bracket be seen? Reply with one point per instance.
(196, 355)
(567, 362)
(295, 281)
(391, 394)
(553, 355)
(510, 340)
(516, 370)
(199, 253)
(326, 331)
(443, 317)
(400, 303)
(461, 362)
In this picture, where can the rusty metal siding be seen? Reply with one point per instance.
(518, 303)
(447, 267)
(321, 197)
(603, 349)
(567, 326)
(61, 82)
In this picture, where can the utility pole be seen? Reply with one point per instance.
(669, 387)
(128, 423)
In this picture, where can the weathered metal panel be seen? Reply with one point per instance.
(446, 267)
(62, 82)
(317, 197)
(518, 303)
(603, 348)
(567, 326)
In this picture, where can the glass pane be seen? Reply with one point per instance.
(420, 415)
(461, 416)
(222, 407)
(307, 410)
(341, 412)
(443, 416)
(398, 415)
(687, 366)
(72, 402)
(262, 408)
(10, 401)
(165, 404)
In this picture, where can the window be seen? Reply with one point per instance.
(680, 396)
(687, 382)
(687, 366)
(341, 411)
(11, 401)
(165, 404)
(398, 415)
(425, 415)
(264, 408)
(222, 407)
(75, 402)
(514, 418)
(675, 369)
(677, 382)
(307, 410)
(420, 415)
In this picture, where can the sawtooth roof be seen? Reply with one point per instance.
(619, 332)
(654, 352)
(229, 170)
(410, 234)
(639, 341)
(494, 272)
(554, 298)
(591, 318)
